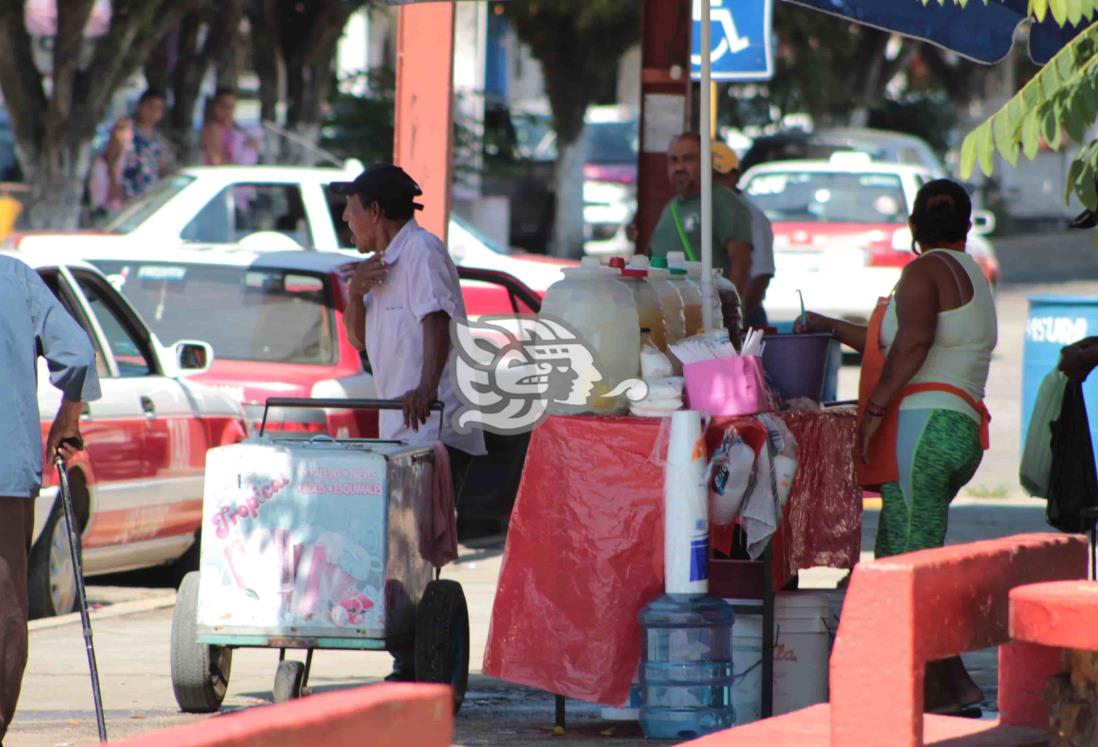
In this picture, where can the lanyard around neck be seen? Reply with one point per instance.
(682, 232)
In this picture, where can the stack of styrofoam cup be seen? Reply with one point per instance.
(686, 515)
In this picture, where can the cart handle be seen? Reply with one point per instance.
(342, 404)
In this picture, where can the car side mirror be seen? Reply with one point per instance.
(983, 222)
(193, 356)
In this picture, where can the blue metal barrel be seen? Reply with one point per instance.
(1055, 321)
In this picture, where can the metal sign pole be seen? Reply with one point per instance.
(705, 47)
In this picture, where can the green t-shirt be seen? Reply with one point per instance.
(731, 221)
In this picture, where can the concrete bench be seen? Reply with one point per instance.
(390, 715)
(904, 611)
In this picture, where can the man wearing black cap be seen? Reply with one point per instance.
(402, 299)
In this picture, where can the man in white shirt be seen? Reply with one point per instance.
(402, 299)
(726, 173)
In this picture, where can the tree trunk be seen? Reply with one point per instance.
(57, 186)
(568, 182)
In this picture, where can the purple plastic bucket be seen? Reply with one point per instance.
(796, 365)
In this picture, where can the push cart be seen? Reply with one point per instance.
(316, 544)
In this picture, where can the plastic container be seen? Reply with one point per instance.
(689, 290)
(601, 309)
(1056, 321)
(686, 670)
(670, 300)
(694, 272)
(803, 621)
(731, 309)
(797, 365)
(649, 311)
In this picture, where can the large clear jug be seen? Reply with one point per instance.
(603, 313)
(694, 272)
(670, 301)
(649, 311)
(686, 672)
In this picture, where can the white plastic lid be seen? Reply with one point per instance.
(590, 262)
(676, 259)
(638, 262)
(589, 267)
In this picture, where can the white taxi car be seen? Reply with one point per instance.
(840, 232)
(267, 208)
(137, 485)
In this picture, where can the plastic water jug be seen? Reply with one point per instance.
(649, 312)
(694, 272)
(688, 289)
(670, 301)
(686, 671)
(601, 309)
(731, 308)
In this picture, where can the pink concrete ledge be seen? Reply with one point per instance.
(1056, 613)
(393, 715)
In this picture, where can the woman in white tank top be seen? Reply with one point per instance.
(923, 425)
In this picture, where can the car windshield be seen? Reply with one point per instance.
(611, 142)
(138, 211)
(829, 197)
(244, 313)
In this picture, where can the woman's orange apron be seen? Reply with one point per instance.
(881, 467)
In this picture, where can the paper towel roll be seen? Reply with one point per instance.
(686, 518)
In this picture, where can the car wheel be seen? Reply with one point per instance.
(200, 672)
(442, 638)
(51, 578)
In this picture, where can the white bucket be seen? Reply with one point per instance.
(801, 638)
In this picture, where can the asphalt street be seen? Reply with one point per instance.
(133, 623)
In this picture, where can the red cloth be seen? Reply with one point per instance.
(439, 546)
(585, 547)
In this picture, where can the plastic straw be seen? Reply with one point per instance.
(804, 317)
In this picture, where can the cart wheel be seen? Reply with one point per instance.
(200, 673)
(288, 679)
(442, 638)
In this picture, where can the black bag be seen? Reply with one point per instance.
(1073, 484)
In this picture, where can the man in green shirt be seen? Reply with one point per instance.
(679, 228)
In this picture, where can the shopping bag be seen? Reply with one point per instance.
(727, 386)
(1072, 484)
(1037, 454)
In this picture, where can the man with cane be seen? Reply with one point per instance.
(32, 323)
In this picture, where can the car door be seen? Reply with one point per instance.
(161, 496)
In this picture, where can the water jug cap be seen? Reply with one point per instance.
(639, 261)
(659, 263)
(676, 259)
(590, 262)
(617, 262)
(678, 271)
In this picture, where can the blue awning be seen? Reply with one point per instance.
(980, 32)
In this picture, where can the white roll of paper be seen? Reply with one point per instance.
(686, 516)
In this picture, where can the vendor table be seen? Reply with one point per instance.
(584, 550)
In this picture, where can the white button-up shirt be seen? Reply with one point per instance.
(422, 280)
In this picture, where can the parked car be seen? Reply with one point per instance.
(841, 234)
(275, 321)
(265, 208)
(137, 485)
(880, 145)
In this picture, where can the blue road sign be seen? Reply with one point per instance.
(740, 40)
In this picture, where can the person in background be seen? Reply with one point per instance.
(401, 302)
(679, 226)
(135, 158)
(223, 141)
(32, 323)
(922, 423)
(726, 173)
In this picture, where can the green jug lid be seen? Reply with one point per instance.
(660, 263)
(678, 270)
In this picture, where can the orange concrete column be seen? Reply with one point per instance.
(424, 105)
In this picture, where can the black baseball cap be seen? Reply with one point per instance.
(384, 183)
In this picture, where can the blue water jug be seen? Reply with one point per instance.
(686, 672)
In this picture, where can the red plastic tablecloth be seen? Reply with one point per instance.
(584, 551)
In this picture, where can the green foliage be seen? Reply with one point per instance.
(1061, 98)
(929, 116)
(362, 126)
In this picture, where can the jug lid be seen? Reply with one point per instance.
(639, 261)
(659, 263)
(678, 272)
(618, 263)
(676, 259)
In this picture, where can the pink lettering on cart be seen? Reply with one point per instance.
(229, 514)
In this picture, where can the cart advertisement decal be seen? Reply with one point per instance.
(296, 542)
(514, 371)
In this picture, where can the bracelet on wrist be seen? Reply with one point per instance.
(874, 410)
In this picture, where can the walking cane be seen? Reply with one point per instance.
(74, 549)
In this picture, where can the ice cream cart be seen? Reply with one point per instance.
(316, 544)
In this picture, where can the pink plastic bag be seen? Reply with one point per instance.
(727, 386)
